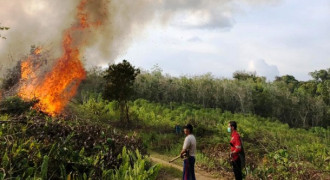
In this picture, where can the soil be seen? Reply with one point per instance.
(200, 175)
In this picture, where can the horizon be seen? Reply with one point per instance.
(156, 67)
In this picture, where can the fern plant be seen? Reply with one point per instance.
(133, 167)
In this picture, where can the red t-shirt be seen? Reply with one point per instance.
(235, 147)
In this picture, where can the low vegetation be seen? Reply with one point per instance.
(273, 149)
(284, 126)
(36, 146)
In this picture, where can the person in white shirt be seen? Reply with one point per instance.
(189, 146)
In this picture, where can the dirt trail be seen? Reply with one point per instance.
(199, 174)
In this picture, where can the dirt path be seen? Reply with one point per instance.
(199, 175)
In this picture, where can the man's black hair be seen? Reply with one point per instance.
(233, 124)
(190, 127)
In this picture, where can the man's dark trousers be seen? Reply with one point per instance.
(237, 168)
(189, 169)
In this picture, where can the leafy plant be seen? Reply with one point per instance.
(133, 166)
(39, 147)
(15, 105)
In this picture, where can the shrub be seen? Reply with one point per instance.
(15, 105)
(133, 166)
(40, 147)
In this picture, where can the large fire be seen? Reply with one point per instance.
(57, 87)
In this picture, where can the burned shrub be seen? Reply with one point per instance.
(12, 77)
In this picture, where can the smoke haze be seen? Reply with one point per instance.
(43, 22)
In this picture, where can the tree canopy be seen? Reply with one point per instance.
(321, 75)
(298, 103)
(119, 83)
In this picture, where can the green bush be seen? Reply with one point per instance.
(39, 147)
(133, 167)
(15, 105)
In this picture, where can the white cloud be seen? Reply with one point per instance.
(292, 37)
(261, 67)
(195, 39)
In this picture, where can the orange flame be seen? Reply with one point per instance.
(28, 75)
(37, 51)
(58, 86)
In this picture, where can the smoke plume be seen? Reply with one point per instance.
(43, 23)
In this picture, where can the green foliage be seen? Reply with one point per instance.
(273, 149)
(94, 109)
(119, 85)
(281, 165)
(38, 147)
(133, 167)
(290, 81)
(3, 28)
(297, 103)
(243, 76)
(81, 149)
(119, 81)
(93, 84)
(15, 105)
(300, 104)
(323, 89)
(321, 75)
(44, 167)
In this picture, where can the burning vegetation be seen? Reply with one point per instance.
(53, 87)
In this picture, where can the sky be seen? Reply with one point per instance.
(182, 37)
(271, 39)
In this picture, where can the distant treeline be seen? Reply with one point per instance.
(298, 103)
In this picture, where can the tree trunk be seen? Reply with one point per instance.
(122, 107)
(127, 112)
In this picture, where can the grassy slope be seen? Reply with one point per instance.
(272, 148)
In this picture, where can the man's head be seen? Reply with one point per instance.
(188, 129)
(232, 125)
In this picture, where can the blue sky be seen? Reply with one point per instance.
(284, 37)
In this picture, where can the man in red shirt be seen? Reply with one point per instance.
(235, 149)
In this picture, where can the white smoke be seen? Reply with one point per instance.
(262, 68)
(42, 22)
